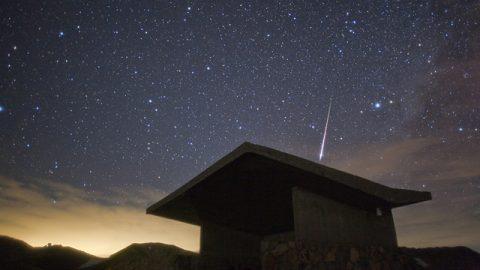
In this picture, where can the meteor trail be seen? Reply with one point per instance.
(322, 147)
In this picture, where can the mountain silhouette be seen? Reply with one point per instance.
(149, 256)
(18, 255)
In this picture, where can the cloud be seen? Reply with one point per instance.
(449, 170)
(44, 212)
(376, 160)
(101, 223)
(415, 159)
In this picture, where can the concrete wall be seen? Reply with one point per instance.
(222, 248)
(272, 240)
(327, 222)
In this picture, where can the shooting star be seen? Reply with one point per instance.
(322, 147)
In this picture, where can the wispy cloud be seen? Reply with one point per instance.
(450, 171)
(42, 212)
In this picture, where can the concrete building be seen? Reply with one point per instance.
(256, 194)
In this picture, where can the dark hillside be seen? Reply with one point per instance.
(446, 258)
(149, 256)
(16, 254)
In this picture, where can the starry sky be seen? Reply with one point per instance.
(116, 104)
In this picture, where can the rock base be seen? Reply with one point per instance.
(296, 255)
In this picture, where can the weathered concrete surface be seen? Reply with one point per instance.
(224, 248)
(324, 221)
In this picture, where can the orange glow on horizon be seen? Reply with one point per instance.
(74, 220)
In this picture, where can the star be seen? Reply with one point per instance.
(125, 87)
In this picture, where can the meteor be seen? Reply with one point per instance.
(322, 147)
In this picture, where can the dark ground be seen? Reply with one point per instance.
(18, 255)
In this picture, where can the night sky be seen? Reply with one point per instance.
(120, 103)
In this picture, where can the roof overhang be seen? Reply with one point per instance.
(250, 189)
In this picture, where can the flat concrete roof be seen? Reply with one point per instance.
(250, 189)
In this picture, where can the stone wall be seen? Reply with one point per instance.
(295, 255)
